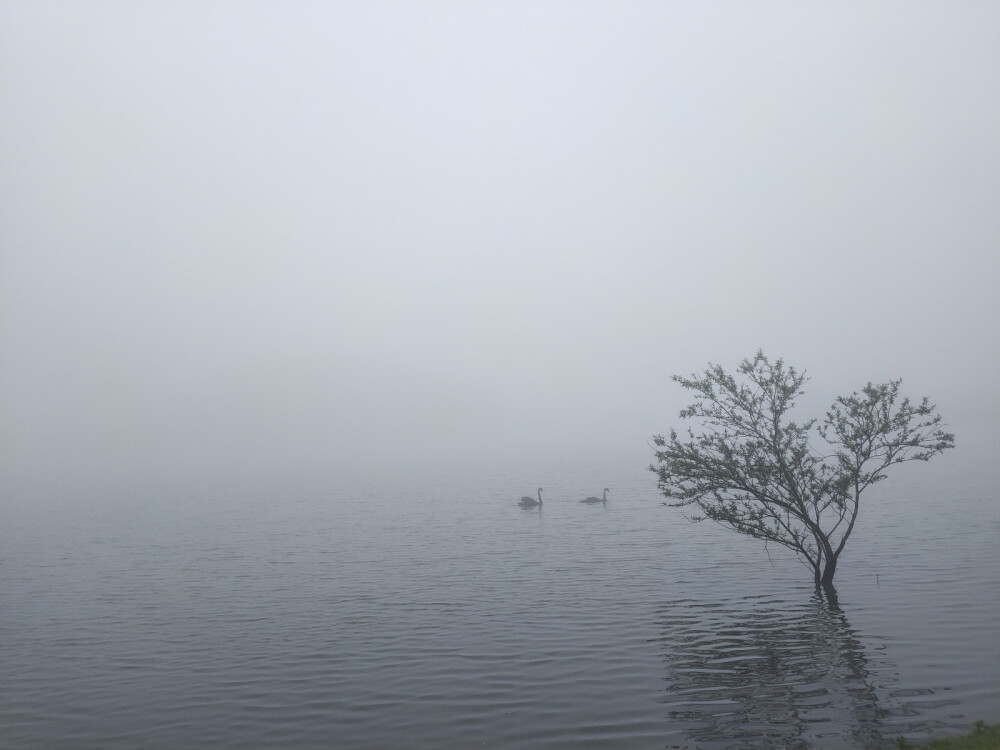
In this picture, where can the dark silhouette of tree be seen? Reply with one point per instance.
(754, 470)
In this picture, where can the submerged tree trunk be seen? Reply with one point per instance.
(829, 593)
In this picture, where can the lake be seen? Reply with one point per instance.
(433, 612)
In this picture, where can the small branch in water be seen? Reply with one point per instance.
(768, 554)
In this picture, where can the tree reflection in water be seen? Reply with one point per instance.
(759, 672)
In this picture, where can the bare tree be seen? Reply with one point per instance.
(754, 470)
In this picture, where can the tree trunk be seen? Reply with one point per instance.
(831, 567)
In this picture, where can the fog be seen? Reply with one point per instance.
(265, 239)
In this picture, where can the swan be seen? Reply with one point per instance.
(529, 502)
(597, 499)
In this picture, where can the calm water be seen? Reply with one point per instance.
(388, 613)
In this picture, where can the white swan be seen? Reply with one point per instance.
(597, 499)
(529, 502)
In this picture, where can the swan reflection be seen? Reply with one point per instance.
(760, 673)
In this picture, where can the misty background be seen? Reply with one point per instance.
(245, 241)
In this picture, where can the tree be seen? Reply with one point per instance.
(754, 470)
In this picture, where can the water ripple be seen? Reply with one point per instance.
(458, 620)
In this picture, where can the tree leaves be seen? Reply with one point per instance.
(753, 469)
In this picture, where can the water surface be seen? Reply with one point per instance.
(428, 612)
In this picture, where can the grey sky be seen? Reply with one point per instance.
(239, 237)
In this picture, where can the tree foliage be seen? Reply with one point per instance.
(752, 468)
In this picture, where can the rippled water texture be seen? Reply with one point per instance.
(429, 614)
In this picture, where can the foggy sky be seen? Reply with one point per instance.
(268, 236)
